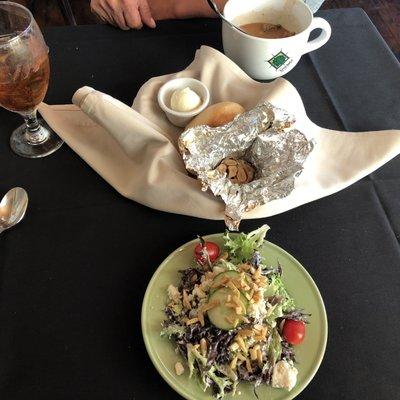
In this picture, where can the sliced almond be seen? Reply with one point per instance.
(210, 305)
(259, 358)
(265, 332)
(233, 363)
(245, 287)
(253, 354)
(231, 305)
(245, 332)
(262, 281)
(236, 301)
(234, 346)
(203, 347)
(232, 287)
(231, 320)
(241, 344)
(200, 317)
(248, 366)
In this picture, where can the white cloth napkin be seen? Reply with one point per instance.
(135, 149)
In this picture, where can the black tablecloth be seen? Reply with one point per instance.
(73, 274)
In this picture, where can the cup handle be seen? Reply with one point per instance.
(318, 23)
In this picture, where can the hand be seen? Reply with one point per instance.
(124, 13)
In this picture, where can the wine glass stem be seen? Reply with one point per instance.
(34, 133)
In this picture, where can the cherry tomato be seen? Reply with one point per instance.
(204, 248)
(294, 331)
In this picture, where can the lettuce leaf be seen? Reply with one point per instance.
(275, 347)
(277, 287)
(242, 247)
(192, 356)
(274, 313)
(226, 265)
(173, 330)
(221, 382)
(206, 373)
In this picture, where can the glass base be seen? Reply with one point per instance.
(21, 146)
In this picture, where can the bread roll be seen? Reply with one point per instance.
(217, 115)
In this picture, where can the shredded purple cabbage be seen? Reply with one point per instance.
(257, 377)
(219, 345)
(190, 277)
(256, 259)
(287, 352)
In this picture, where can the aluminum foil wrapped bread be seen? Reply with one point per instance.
(249, 161)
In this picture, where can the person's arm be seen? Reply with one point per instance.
(133, 13)
(196, 8)
(177, 9)
(124, 13)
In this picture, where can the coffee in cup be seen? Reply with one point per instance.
(266, 30)
(264, 57)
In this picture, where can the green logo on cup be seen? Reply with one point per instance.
(278, 60)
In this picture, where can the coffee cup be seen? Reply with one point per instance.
(264, 58)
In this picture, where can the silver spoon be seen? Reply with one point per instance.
(12, 208)
(214, 7)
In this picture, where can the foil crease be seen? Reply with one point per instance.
(262, 136)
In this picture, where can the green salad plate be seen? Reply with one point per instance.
(300, 286)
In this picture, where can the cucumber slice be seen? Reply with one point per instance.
(221, 316)
(217, 280)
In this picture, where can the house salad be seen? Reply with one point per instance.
(232, 319)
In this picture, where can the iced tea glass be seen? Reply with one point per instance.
(24, 78)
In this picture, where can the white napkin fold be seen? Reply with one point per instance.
(135, 149)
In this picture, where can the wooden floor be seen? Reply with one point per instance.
(384, 13)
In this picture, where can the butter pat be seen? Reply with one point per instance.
(184, 100)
